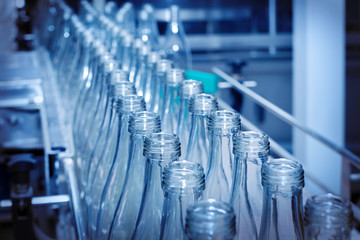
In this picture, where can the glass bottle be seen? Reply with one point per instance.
(116, 146)
(182, 183)
(282, 213)
(200, 106)
(157, 86)
(210, 219)
(328, 216)
(154, 36)
(141, 124)
(160, 149)
(187, 89)
(171, 106)
(134, 58)
(222, 125)
(140, 72)
(176, 46)
(125, 52)
(116, 90)
(251, 150)
(150, 77)
(145, 28)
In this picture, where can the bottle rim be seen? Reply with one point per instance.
(202, 104)
(122, 88)
(281, 173)
(162, 146)
(175, 76)
(223, 122)
(164, 65)
(119, 75)
(249, 142)
(130, 103)
(153, 57)
(181, 176)
(190, 87)
(210, 218)
(144, 122)
(328, 211)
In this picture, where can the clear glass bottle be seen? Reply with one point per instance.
(141, 124)
(116, 146)
(115, 90)
(222, 125)
(145, 28)
(134, 58)
(182, 183)
(210, 219)
(157, 86)
(187, 89)
(251, 150)
(328, 216)
(125, 52)
(160, 149)
(171, 106)
(176, 46)
(140, 73)
(154, 36)
(150, 77)
(200, 106)
(282, 213)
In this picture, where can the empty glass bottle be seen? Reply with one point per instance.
(210, 220)
(115, 150)
(150, 77)
(134, 58)
(145, 30)
(282, 214)
(125, 53)
(200, 106)
(157, 86)
(160, 149)
(251, 150)
(187, 89)
(171, 106)
(176, 46)
(140, 73)
(182, 183)
(141, 124)
(222, 126)
(328, 216)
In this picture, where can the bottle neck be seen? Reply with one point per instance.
(171, 108)
(282, 214)
(219, 173)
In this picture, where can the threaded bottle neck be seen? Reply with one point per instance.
(180, 177)
(130, 103)
(251, 144)
(175, 76)
(202, 104)
(119, 75)
(144, 123)
(328, 211)
(122, 88)
(223, 122)
(210, 219)
(162, 146)
(164, 65)
(189, 88)
(282, 175)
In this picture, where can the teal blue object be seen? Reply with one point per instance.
(209, 80)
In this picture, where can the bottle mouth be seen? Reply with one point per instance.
(122, 88)
(162, 146)
(119, 75)
(110, 65)
(281, 173)
(329, 211)
(137, 44)
(153, 57)
(190, 87)
(128, 39)
(175, 76)
(251, 143)
(223, 122)
(210, 218)
(130, 103)
(164, 65)
(202, 104)
(182, 176)
(144, 50)
(144, 122)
